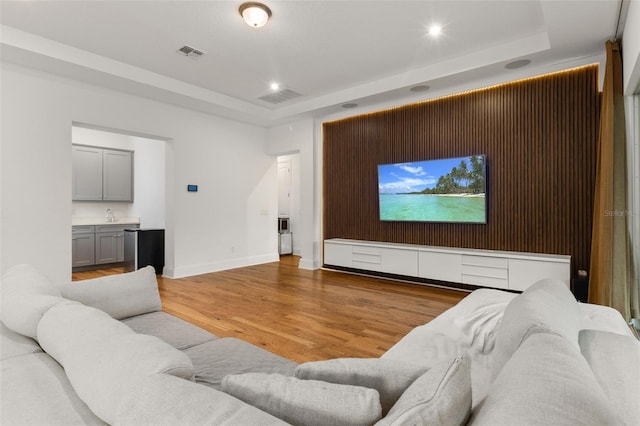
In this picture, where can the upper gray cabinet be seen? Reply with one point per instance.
(101, 174)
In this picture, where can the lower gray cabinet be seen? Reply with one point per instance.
(82, 246)
(98, 245)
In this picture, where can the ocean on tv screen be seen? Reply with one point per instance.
(432, 208)
(441, 190)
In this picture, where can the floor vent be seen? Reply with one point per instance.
(280, 96)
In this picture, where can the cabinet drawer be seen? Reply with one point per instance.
(482, 271)
(486, 261)
(365, 250)
(485, 281)
(82, 230)
(114, 228)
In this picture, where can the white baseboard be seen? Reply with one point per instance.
(205, 268)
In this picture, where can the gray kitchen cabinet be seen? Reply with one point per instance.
(101, 174)
(110, 243)
(82, 246)
(98, 245)
(117, 175)
(86, 173)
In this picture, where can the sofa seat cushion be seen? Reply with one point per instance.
(120, 295)
(306, 402)
(103, 357)
(13, 344)
(178, 333)
(26, 296)
(36, 391)
(389, 377)
(615, 362)
(547, 381)
(441, 396)
(161, 400)
(547, 303)
(214, 360)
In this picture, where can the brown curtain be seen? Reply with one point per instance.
(612, 276)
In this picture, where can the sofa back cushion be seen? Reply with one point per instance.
(103, 357)
(389, 377)
(26, 296)
(548, 382)
(441, 396)
(547, 303)
(121, 296)
(615, 362)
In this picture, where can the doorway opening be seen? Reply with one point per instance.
(146, 209)
(289, 205)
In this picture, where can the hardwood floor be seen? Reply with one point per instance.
(300, 314)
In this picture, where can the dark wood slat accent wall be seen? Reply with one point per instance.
(539, 136)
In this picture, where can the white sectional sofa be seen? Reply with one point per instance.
(102, 352)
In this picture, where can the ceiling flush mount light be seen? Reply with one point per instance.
(435, 30)
(255, 14)
(274, 86)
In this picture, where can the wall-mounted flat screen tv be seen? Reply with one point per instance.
(441, 190)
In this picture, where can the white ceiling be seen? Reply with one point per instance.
(331, 52)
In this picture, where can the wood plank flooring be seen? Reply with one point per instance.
(300, 314)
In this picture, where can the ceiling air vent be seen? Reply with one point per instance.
(280, 96)
(190, 51)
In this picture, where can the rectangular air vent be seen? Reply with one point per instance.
(280, 96)
(190, 51)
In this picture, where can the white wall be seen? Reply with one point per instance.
(227, 223)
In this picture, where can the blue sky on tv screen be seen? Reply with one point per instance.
(414, 176)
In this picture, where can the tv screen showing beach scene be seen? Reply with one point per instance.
(442, 190)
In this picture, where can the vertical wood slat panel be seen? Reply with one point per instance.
(539, 136)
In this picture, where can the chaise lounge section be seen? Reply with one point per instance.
(102, 351)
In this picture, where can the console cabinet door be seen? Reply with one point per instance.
(440, 266)
(86, 173)
(106, 247)
(117, 175)
(82, 248)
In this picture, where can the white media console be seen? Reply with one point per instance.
(487, 268)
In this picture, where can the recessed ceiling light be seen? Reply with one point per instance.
(420, 88)
(435, 30)
(517, 64)
(274, 86)
(349, 105)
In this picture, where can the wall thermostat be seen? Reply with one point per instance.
(192, 188)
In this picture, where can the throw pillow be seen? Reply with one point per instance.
(441, 396)
(26, 296)
(306, 402)
(547, 303)
(389, 377)
(121, 295)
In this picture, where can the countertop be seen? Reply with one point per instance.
(80, 221)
